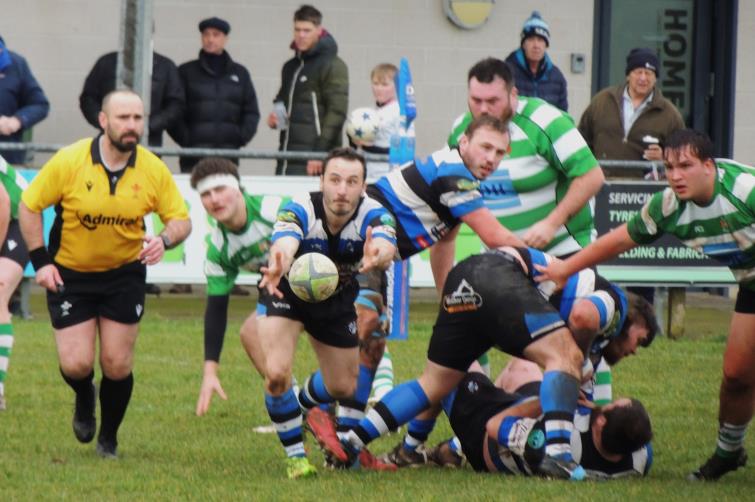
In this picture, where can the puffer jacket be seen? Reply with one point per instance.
(315, 90)
(221, 108)
(548, 83)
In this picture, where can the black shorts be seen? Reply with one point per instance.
(116, 294)
(488, 301)
(332, 322)
(14, 248)
(745, 301)
(476, 401)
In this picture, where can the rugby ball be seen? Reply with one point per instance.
(313, 277)
(362, 126)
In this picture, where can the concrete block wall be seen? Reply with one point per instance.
(62, 39)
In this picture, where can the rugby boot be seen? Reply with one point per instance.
(370, 462)
(323, 428)
(107, 449)
(401, 457)
(558, 468)
(84, 423)
(299, 467)
(717, 466)
(443, 456)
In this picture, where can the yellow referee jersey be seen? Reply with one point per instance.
(99, 215)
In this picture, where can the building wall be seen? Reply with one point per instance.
(62, 39)
(744, 109)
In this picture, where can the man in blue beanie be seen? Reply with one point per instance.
(534, 73)
(22, 101)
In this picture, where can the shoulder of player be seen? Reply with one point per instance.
(736, 178)
(543, 115)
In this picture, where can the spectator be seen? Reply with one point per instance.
(631, 121)
(166, 99)
(534, 73)
(619, 117)
(315, 92)
(22, 101)
(388, 115)
(221, 105)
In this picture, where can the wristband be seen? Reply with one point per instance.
(166, 241)
(40, 257)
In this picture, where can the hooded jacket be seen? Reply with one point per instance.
(548, 83)
(221, 107)
(315, 90)
(20, 96)
(166, 98)
(602, 124)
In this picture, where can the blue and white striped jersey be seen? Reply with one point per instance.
(608, 298)
(428, 199)
(304, 219)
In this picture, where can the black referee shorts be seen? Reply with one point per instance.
(116, 294)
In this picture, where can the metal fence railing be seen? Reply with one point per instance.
(250, 153)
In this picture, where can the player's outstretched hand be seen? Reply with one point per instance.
(210, 385)
(271, 275)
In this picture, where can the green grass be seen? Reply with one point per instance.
(168, 453)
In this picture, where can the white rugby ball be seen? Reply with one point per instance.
(362, 125)
(313, 277)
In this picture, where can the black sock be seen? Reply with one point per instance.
(114, 398)
(82, 387)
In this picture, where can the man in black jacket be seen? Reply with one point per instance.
(221, 105)
(166, 101)
(315, 93)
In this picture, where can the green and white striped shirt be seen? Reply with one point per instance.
(547, 152)
(724, 229)
(228, 252)
(14, 184)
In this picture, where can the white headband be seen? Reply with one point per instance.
(217, 180)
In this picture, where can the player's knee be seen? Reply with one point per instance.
(371, 352)
(76, 368)
(116, 366)
(277, 379)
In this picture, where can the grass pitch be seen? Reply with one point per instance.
(169, 453)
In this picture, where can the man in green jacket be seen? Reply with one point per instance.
(631, 121)
(314, 94)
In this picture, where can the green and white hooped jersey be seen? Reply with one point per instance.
(724, 229)
(229, 252)
(14, 184)
(547, 152)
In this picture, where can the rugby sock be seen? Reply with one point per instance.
(417, 433)
(455, 445)
(314, 393)
(82, 387)
(383, 382)
(558, 399)
(351, 411)
(603, 393)
(6, 345)
(730, 439)
(398, 407)
(286, 416)
(114, 398)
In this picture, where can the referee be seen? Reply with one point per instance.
(95, 268)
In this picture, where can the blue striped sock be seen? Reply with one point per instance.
(351, 411)
(400, 405)
(313, 392)
(558, 399)
(417, 433)
(286, 416)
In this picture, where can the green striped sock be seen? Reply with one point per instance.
(730, 439)
(383, 382)
(6, 344)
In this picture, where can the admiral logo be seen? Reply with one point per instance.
(464, 299)
(89, 185)
(92, 222)
(352, 328)
(139, 310)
